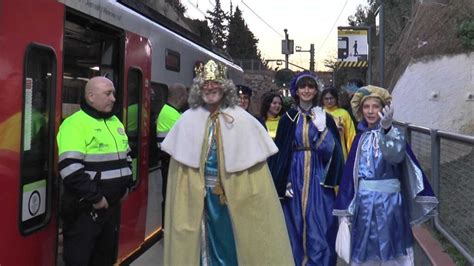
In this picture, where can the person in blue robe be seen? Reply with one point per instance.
(383, 190)
(306, 171)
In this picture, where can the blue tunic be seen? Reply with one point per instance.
(218, 247)
(381, 229)
(308, 203)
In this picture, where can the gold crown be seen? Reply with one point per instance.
(211, 71)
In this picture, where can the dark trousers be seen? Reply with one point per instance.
(165, 164)
(89, 241)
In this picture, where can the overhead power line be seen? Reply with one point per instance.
(329, 33)
(268, 25)
(212, 4)
(197, 8)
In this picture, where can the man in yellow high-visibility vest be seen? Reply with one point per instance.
(94, 164)
(169, 114)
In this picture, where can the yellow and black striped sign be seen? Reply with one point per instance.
(342, 64)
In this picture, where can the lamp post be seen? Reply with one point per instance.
(311, 55)
(286, 48)
(287, 42)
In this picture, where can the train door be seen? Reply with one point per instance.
(91, 48)
(137, 73)
(30, 77)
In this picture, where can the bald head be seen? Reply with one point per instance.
(99, 94)
(96, 82)
(177, 95)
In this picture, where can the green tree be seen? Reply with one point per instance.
(241, 42)
(466, 33)
(217, 19)
(201, 28)
(176, 4)
(364, 15)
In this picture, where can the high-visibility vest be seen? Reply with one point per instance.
(94, 145)
(132, 115)
(166, 120)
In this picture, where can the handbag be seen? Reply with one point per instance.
(343, 240)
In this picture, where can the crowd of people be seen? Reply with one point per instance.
(277, 189)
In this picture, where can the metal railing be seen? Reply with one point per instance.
(448, 161)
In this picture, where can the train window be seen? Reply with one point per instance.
(172, 60)
(91, 48)
(135, 85)
(158, 95)
(37, 138)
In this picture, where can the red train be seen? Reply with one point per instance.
(49, 49)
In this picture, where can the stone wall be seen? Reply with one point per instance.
(261, 82)
(437, 92)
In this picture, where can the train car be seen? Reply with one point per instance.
(49, 50)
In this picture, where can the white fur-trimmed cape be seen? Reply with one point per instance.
(245, 141)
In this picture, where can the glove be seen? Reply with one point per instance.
(319, 118)
(386, 117)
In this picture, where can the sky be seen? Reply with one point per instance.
(307, 21)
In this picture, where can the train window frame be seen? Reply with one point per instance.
(158, 98)
(36, 222)
(135, 164)
(171, 55)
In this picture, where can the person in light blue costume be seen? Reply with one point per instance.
(306, 171)
(383, 190)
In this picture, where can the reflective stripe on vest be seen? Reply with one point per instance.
(93, 157)
(111, 174)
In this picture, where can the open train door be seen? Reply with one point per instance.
(137, 74)
(31, 35)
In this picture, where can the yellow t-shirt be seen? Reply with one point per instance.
(272, 125)
(344, 121)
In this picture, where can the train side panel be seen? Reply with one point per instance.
(28, 30)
